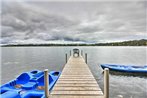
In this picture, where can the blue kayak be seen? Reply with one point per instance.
(125, 68)
(28, 85)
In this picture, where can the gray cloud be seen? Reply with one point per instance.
(103, 21)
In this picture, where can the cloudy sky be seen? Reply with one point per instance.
(44, 21)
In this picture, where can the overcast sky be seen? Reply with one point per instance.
(30, 21)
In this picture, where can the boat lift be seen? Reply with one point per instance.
(76, 52)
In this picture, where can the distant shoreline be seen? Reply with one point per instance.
(71, 46)
(142, 42)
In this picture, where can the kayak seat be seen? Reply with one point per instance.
(41, 80)
(34, 71)
(40, 88)
(39, 74)
(23, 78)
(18, 86)
(55, 73)
(29, 85)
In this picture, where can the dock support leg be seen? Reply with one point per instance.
(86, 58)
(66, 57)
(46, 83)
(70, 52)
(81, 52)
(106, 83)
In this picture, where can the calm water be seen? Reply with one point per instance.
(16, 60)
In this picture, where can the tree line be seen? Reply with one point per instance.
(142, 42)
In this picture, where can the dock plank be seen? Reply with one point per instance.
(76, 96)
(77, 88)
(76, 84)
(69, 92)
(76, 81)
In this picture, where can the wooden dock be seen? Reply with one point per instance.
(76, 81)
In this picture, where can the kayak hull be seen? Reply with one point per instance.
(28, 85)
(136, 70)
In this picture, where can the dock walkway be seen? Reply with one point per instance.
(76, 81)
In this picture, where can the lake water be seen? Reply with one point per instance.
(16, 60)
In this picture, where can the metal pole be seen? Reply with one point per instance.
(86, 58)
(66, 57)
(106, 83)
(46, 83)
(70, 52)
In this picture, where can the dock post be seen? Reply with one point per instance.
(70, 52)
(106, 83)
(46, 83)
(86, 58)
(66, 57)
(81, 52)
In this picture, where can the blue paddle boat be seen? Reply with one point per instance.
(28, 85)
(126, 68)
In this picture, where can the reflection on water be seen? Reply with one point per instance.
(16, 60)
